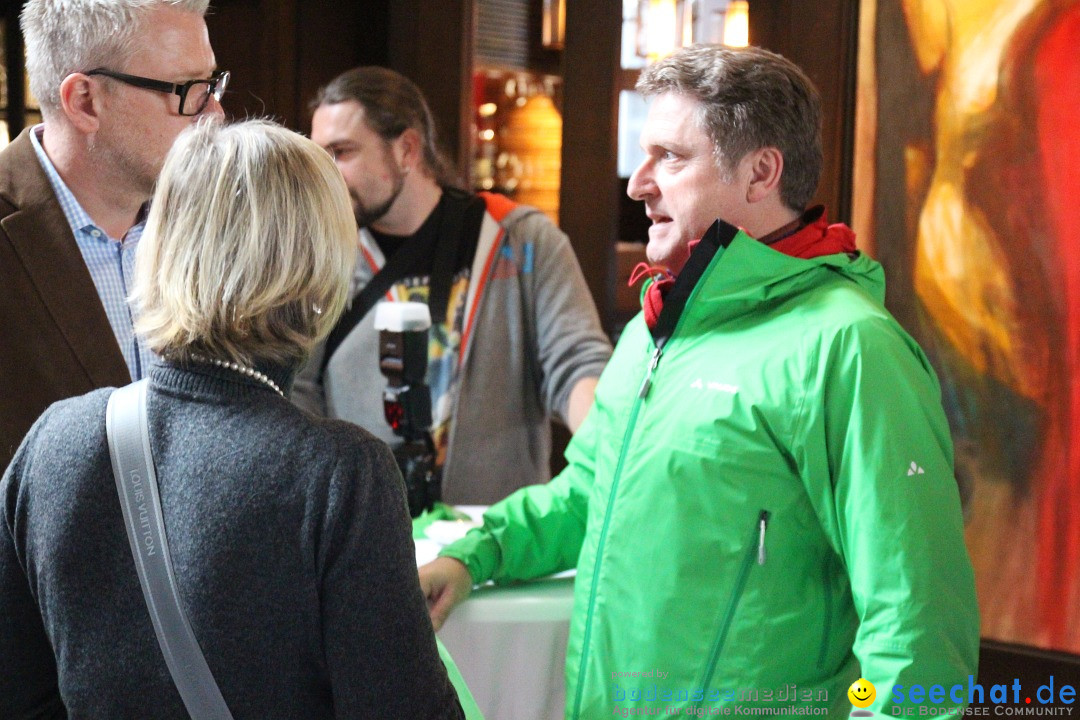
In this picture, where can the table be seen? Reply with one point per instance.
(510, 645)
(509, 642)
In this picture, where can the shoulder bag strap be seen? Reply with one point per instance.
(459, 220)
(136, 482)
(361, 305)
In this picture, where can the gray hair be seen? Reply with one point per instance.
(248, 249)
(750, 98)
(68, 36)
(392, 104)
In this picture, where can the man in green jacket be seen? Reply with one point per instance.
(761, 505)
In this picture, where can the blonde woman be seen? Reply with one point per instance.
(290, 537)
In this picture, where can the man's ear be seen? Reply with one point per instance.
(766, 168)
(409, 150)
(80, 101)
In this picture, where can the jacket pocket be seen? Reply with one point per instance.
(756, 554)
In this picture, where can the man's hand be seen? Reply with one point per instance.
(445, 582)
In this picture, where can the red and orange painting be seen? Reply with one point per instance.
(967, 188)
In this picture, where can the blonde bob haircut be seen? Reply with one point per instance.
(248, 249)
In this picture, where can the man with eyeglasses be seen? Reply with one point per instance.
(117, 81)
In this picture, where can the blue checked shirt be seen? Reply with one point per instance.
(110, 262)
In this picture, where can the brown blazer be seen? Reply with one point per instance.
(55, 341)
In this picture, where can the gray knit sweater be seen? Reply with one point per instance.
(291, 546)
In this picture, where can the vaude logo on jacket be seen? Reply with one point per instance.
(700, 384)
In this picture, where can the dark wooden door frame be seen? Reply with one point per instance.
(588, 194)
(824, 43)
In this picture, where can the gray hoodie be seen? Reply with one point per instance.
(536, 333)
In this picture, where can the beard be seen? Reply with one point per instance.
(366, 215)
(139, 172)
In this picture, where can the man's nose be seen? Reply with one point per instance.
(213, 107)
(641, 183)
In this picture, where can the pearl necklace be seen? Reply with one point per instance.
(243, 370)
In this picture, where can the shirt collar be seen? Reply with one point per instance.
(810, 216)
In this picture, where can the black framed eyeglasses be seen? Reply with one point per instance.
(194, 94)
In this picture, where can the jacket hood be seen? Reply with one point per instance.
(747, 273)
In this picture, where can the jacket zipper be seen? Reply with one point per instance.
(755, 552)
(646, 383)
(763, 524)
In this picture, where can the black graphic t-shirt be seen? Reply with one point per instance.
(410, 263)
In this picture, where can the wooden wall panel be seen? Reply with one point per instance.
(334, 36)
(256, 41)
(282, 51)
(431, 43)
(822, 39)
(588, 198)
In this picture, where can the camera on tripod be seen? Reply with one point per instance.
(403, 359)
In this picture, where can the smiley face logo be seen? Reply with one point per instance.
(861, 693)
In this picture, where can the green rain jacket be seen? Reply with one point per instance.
(758, 514)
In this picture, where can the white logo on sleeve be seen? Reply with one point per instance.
(914, 469)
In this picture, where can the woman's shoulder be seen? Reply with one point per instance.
(67, 438)
(345, 441)
(340, 431)
(66, 420)
(359, 473)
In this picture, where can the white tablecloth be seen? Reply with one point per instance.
(510, 643)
